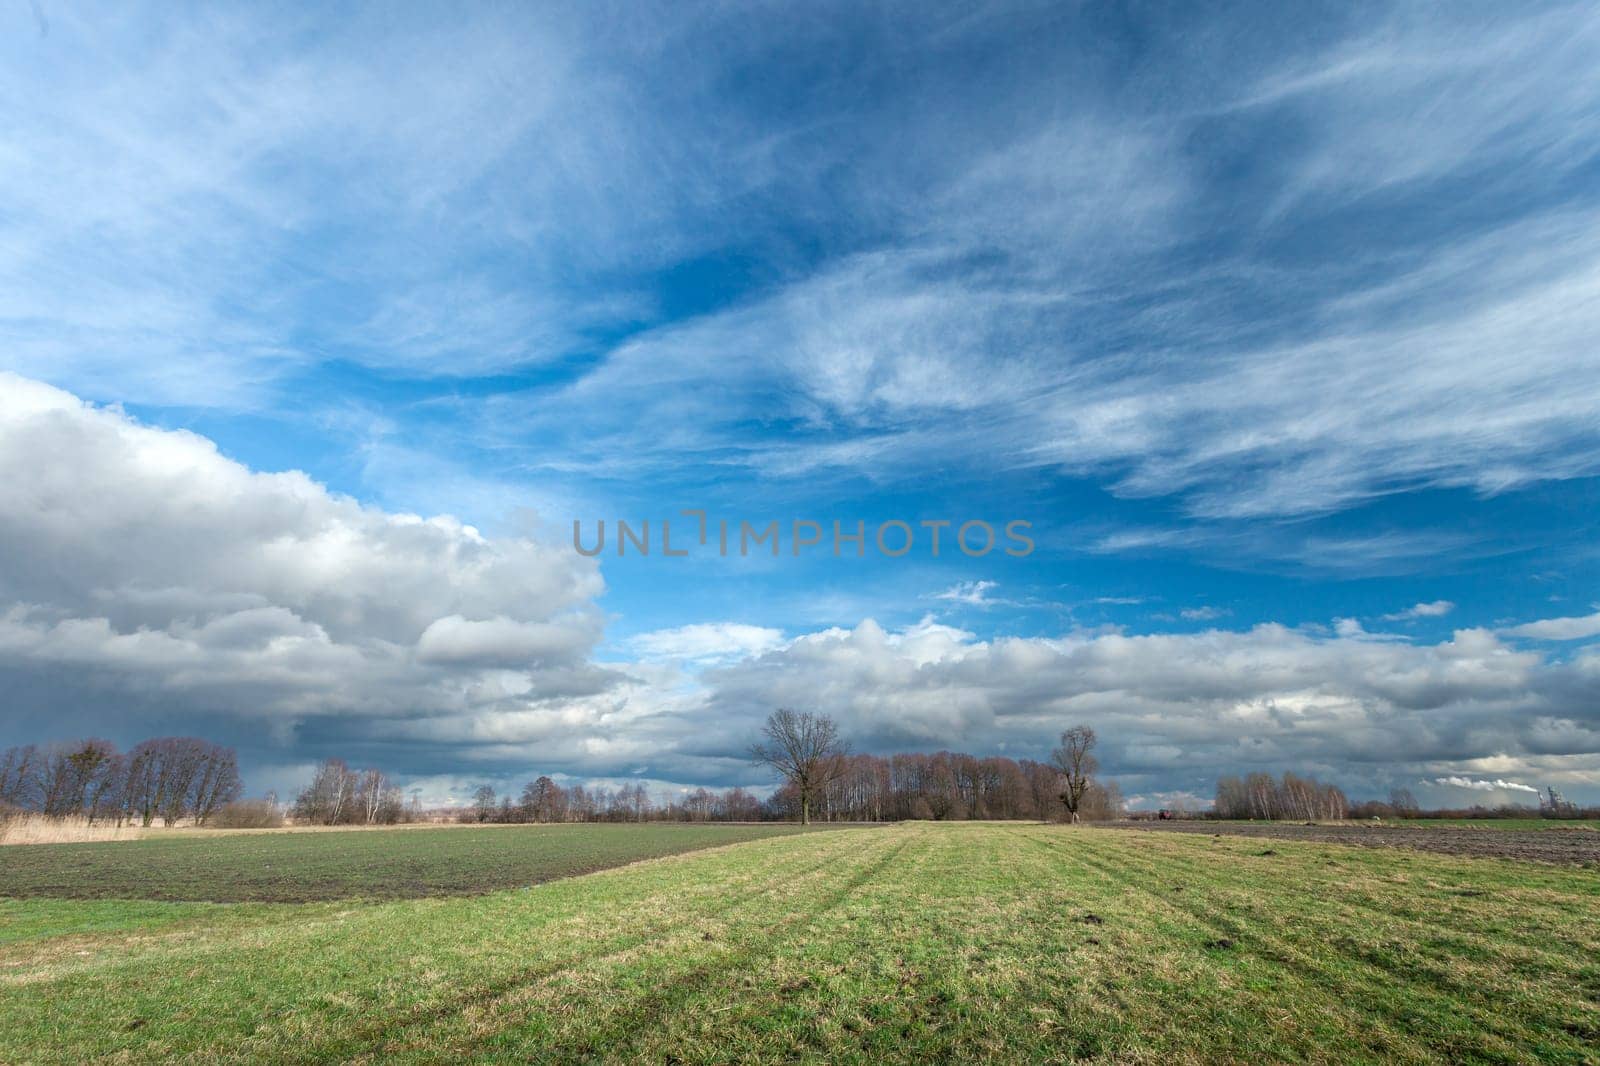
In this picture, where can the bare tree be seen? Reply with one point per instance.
(374, 787)
(483, 802)
(218, 783)
(1102, 802)
(1259, 796)
(326, 801)
(543, 800)
(805, 748)
(1076, 761)
(19, 777)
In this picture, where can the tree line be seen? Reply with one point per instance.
(1291, 797)
(821, 776)
(185, 778)
(822, 780)
(170, 778)
(543, 800)
(939, 786)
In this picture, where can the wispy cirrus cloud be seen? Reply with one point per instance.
(970, 593)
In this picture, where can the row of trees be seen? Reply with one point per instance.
(944, 785)
(820, 774)
(1290, 797)
(822, 780)
(543, 800)
(339, 795)
(170, 778)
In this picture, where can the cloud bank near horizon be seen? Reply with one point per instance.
(152, 584)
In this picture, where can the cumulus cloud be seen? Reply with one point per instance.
(1173, 709)
(502, 641)
(142, 561)
(141, 565)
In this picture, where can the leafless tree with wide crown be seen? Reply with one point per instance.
(805, 748)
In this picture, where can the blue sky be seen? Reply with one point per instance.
(1278, 325)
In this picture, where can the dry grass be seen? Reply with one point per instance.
(37, 829)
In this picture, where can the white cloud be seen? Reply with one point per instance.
(141, 558)
(1559, 628)
(141, 566)
(1349, 707)
(970, 593)
(1203, 614)
(1435, 609)
(706, 642)
(160, 177)
(191, 199)
(1496, 785)
(1422, 97)
(502, 641)
(1461, 362)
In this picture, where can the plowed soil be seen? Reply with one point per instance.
(1573, 847)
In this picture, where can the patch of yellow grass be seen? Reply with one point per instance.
(37, 829)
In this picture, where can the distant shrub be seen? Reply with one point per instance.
(247, 814)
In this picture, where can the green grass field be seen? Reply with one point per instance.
(913, 943)
(300, 867)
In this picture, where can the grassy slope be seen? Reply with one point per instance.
(965, 942)
(298, 867)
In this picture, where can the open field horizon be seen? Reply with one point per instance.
(1012, 533)
(904, 943)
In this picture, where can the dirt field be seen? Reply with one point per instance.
(1574, 847)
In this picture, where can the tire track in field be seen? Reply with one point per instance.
(1195, 863)
(1117, 876)
(1531, 939)
(1496, 1035)
(507, 995)
(1371, 1012)
(1530, 942)
(640, 921)
(702, 978)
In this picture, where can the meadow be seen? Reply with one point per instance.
(910, 943)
